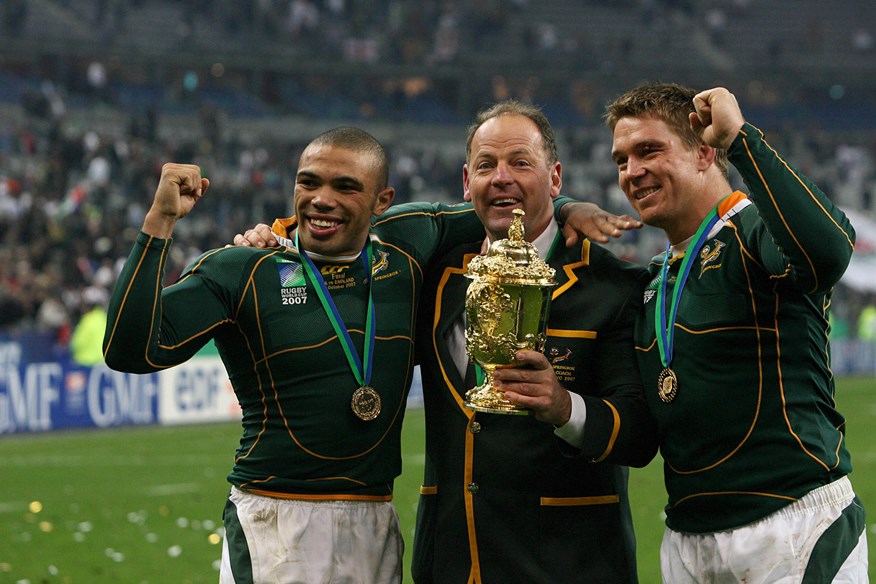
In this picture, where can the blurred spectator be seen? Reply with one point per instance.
(716, 25)
(53, 316)
(867, 322)
(446, 45)
(98, 82)
(86, 342)
(862, 40)
(303, 20)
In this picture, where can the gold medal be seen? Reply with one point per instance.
(667, 385)
(365, 403)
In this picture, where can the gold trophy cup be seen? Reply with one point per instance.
(506, 309)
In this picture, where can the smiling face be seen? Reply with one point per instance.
(665, 180)
(335, 196)
(508, 169)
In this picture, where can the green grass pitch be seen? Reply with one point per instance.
(143, 505)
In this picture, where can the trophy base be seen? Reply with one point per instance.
(486, 399)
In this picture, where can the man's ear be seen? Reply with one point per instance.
(705, 156)
(466, 192)
(384, 200)
(556, 179)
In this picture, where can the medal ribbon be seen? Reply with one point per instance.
(666, 330)
(362, 375)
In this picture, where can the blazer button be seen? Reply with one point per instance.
(473, 488)
(475, 427)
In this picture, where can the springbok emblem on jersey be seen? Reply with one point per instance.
(709, 255)
(381, 264)
(556, 357)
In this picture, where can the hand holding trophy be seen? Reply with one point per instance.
(506, 309)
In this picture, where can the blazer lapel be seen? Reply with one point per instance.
(449, 306)
(566, 264)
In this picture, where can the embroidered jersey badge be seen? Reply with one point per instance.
(557, 357)
(381, 264)
(651, 288)
(709, 255)
(291, 273)
(381, 267)
(293, 285)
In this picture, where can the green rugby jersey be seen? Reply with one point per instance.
(754, 425)
(285, 362)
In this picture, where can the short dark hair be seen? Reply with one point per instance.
(514, 107)
(359, 140)
(669, 102)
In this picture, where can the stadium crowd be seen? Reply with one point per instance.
(72, 195)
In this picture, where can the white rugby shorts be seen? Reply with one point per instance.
(819, 538)
(269, 540)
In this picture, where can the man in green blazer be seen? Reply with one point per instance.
(542, 498)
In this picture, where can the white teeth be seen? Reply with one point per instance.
(505, 202)
(645, 192)
(322, 223)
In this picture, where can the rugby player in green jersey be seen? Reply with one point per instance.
(317, 339)
(733, 345)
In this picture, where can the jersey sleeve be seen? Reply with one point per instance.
(430, 229)
(619, 427)
(426, 230)
(805, 235)
(151, 327)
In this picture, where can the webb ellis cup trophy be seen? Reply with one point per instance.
(506, 309)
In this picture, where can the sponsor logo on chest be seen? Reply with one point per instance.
(337, 276)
